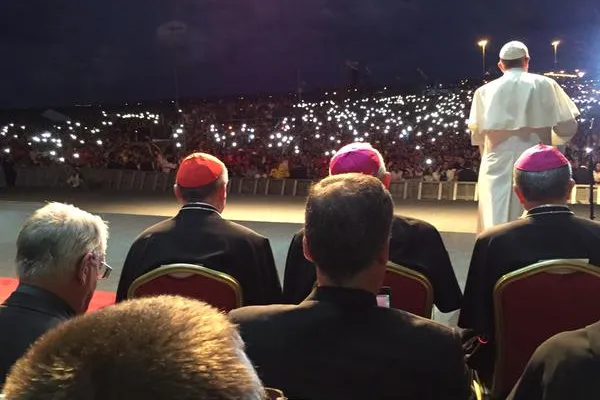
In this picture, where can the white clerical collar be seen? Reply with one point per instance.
(546, 209)
(200, 206)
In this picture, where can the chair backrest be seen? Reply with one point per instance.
(534, 303)
(410, 290)
(194, 281)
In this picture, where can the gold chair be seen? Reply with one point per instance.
(534, 303)
(189, 280)
(477, 391)
(411, 290)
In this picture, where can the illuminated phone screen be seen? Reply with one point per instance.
(383, 298)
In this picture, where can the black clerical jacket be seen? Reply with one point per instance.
(199, 235)
(414, 244)
(547, 232)
(566, 366)
(25, 315)
(338, 344)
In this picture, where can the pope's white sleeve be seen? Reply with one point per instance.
(563, 132)
(474, 121)
(566, 112)
(566, 108)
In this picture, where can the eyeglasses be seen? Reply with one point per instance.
(104, 270)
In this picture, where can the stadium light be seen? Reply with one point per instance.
(555, 46)
(483, 44)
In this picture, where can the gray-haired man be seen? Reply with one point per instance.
(60, 257)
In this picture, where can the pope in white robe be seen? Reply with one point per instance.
(508, 116)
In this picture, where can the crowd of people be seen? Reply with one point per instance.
(340, 325)
(423, 136)
(324, 336)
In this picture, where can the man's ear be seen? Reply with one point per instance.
(384, 255)
(570, 187)
(84, 269)
(519, 194)
(223, 193)
(177, 193)
(501, 66)
(307, 254)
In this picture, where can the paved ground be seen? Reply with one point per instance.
(274, 217)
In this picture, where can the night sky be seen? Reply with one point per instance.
(60, 52)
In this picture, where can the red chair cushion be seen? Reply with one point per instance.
(537, 307)
(407, 294)
(212, 291)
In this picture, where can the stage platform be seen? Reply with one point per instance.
(272, 216)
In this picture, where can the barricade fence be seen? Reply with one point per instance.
(141, 181)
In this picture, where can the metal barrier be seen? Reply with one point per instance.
(140, 181)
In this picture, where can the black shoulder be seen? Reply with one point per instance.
(501, 230)
(235, 229)
(414, 222)
(588, 223)
(571, 346)
(156, 229)
(297, 238)
(251, 314)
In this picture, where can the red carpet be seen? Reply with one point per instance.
(100, 299)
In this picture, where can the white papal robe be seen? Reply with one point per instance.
(508, 116)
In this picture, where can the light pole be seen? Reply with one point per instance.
(483, 43)
(555, 45)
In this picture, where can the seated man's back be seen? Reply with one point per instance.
(339, 345)
(414, 244)
(512, 246)
(199, 235)
(216, 243)
(549, 230)
(565, 366)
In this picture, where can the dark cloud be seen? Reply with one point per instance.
(66, 50)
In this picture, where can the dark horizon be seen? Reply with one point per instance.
(58, 54)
